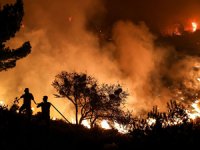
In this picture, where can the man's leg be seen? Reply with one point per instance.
(29, 112)
(22, 108)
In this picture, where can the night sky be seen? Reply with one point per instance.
(158, 15)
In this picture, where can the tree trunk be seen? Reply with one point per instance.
(76, 108)
(93, 122)
(80, 120)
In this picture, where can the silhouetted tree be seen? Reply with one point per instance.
(159, 117)
(177, 113)
(10, 22)
(92, 101)
(75, 88)
(106, 103)
(156, 121)
(15, 107)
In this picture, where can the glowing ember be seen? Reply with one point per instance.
(54, 118)
(105, 125)
(198, 79)
(70, 19)
(22, 25)
(86, 124)
(194, 26)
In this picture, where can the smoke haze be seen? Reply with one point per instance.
(61, 41)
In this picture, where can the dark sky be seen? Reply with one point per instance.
(157, 14)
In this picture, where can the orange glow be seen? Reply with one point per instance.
(70, 19)
(1, 103)
(194, 26)
(22, 25)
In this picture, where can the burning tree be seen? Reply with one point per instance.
(11, 18)
(92, 101)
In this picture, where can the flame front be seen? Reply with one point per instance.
(151, 121)
(86, 124)
(105, 125)
(194, 26)
(195, 113)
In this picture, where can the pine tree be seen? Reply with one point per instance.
(11, 16)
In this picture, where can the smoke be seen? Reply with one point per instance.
(158, 15)
(139, 59)
(60, 39)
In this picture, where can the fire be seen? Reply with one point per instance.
(198, 79)
(105, 125)
(194, 26)
(33, 109)
(196, 110)
(1, 103)
(120, 128)
(73, 121)
(54, 118)
(151, 121)
(86, 124)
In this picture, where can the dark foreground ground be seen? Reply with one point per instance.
(16, 132)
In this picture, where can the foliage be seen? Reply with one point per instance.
(107, 103)
(75, 87)
(11, 18)
(92, 101)
(176, 115)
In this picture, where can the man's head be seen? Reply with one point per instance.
(26, 90)
(45, 98)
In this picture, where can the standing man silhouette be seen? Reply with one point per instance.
(45, 105)
(27, 97)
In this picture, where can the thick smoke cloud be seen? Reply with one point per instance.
(61, 40)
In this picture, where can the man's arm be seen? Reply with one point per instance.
(33, 99)
(39, 105)
(17, 99)
(21, 97)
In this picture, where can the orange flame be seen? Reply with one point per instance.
(196, 110)
(194, 26)
(2, 103)
(105, 125)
